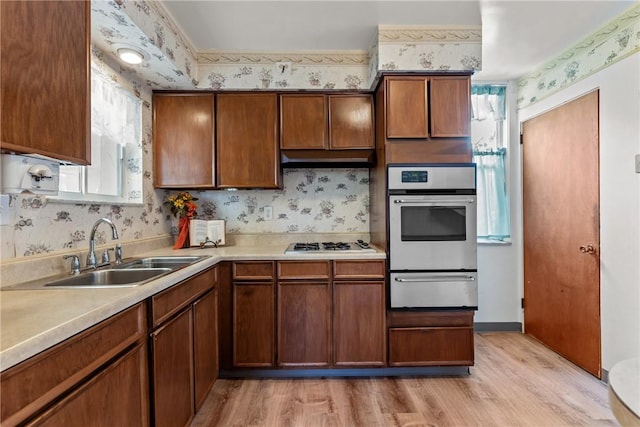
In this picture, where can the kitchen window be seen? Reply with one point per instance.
(115, 175)
(488, 136)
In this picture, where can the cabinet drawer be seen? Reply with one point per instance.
(34, 383)
(359, 269)
(431, 346)
(304, 270)
(430, 318)
(253, 270)
(172, 300)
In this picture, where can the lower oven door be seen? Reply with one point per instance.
(434, 290)
(432, 232)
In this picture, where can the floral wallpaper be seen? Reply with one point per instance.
(310, 201)
(328, 70)
(613, 42)
(424, 49)
(169, 60)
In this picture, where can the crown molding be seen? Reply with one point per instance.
(351, 57)
(413, 34)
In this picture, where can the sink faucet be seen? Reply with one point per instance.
(91, 257)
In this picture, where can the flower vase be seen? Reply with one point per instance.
(182, 241)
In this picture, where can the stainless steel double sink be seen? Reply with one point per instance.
(131, 273)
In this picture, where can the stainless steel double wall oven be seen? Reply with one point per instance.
(432, 236)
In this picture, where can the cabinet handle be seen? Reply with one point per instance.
(436, 279)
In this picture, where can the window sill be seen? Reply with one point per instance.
(490, 242)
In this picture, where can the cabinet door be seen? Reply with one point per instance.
(117, 396)
(450, 106)
(304, 324)
(303, 121)
(351, 121)
(253, 324)
(44, 80)
(205, 345)
(183, 146)
(172, 354)
(431, 346)
(359, 323)
(247, 140)
(407, 107)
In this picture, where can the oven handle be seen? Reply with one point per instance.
(437, 279)
(430, 202)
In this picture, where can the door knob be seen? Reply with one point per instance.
(588, 249)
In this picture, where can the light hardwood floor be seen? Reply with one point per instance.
(516, 381)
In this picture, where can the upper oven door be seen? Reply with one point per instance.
(432, 232)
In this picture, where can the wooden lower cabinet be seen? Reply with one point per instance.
(205, 345)
(433, 338)
(118, 396)
(359, 323)
(304, 324)
(172, 370)
(87, 370)
(253, 324)
(183, 348)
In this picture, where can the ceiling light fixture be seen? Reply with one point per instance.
(130, 56)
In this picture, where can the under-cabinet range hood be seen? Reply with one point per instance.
(327, 158)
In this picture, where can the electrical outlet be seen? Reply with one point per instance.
(6, 217)
(637, 163)
(268, 213)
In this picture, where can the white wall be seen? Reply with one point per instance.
(619, 87)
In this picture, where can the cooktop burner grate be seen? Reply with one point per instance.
(359, 246)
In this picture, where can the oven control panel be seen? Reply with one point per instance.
(415, 176)
(453, 176)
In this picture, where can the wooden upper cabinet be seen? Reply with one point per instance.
(303, 122)
(319, 121)
(247, 140)
(45, 78)
(450, 106)
(422, 107)
(183, 145)
(407, 107)
(351, 121)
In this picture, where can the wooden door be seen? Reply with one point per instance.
(183, 146)
(303, 121)
(253, 324)
(407, 107)
(205, 345)
(450, 106)
(359, 323)
(172, 350)
(351, 121)
(247, 140)
(304, 324)
(560, 222)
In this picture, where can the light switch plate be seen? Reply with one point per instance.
(637, 163)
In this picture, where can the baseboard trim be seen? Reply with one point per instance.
(497, 327)
(356, 372)
(605, 376)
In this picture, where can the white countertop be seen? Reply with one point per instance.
(34, 320)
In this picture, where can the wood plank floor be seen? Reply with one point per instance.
(516, 382)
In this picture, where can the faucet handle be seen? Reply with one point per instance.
(118, 250)
(75, 264)
(105, 256)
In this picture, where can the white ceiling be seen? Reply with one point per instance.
(517, 36)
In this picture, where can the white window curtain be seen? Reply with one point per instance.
(489, 152)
